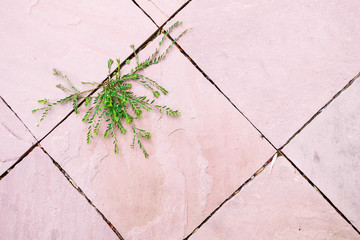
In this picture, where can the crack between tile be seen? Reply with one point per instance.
(66, 175)
(171, 17)
(73, 183)
(202, 72)
(232, 195)
(17, 117)
(320, 192)
(218, 88)
(145, 13)
(18, 161)
(321, 109)
(131, 56)
(30, 149)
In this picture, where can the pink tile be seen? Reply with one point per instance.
(195, 162)
(280, 205)
(76, 37)
(37, 202)
(279, 61)
(15, 138)
(328, 152)
(160, 10)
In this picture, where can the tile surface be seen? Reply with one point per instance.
(15, 138)
(37, 202)
(279, 61)
(328, 152)
(280, 205)
(76, 37)
(196, 160)
(160, 10)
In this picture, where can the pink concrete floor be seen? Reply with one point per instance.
(266, 147)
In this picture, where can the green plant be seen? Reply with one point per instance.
(115, 103)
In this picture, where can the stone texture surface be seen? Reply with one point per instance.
(195, 162)
(160, 10)
(280, 205)
(76, 37)
(37, 202)
(328, 152)
(279, 61)
(15, 138)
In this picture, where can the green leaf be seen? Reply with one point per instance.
(156, 94)
(110, 63)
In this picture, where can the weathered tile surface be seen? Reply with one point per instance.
(76, 37)
(37, 202)
(279, 61)
(195, 161)
(15, 138)
(280, 205)
(160, 10)
(328, 151)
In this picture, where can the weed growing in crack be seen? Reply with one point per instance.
(116, 104)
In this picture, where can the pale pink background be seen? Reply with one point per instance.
(278, 62)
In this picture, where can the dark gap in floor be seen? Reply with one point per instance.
(73, 183)
(202, 72)
(218, 88)
(171, 17)
(145, 13)
(17, 116)
(37, 144)
(320, 192)
(230, 197)
(18, 161)
(31, 148)
(131, 56)
(321, 109)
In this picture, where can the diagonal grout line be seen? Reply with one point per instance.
(131, 56)
(320, 192)
(73, 183)
(17, 117)
(203, 73)
(31, 148)
(18, 161)
(262, 135)
(67, 176)
(231, 196)
(145, 13)
(321, 109)
(141, 47)
(218, 88)
(171, 17)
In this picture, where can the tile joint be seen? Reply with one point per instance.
(66, 175)
(73, 183)
(321, 109)
(261, 169)
(203, 73)
(320, 192)
(30, 149)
